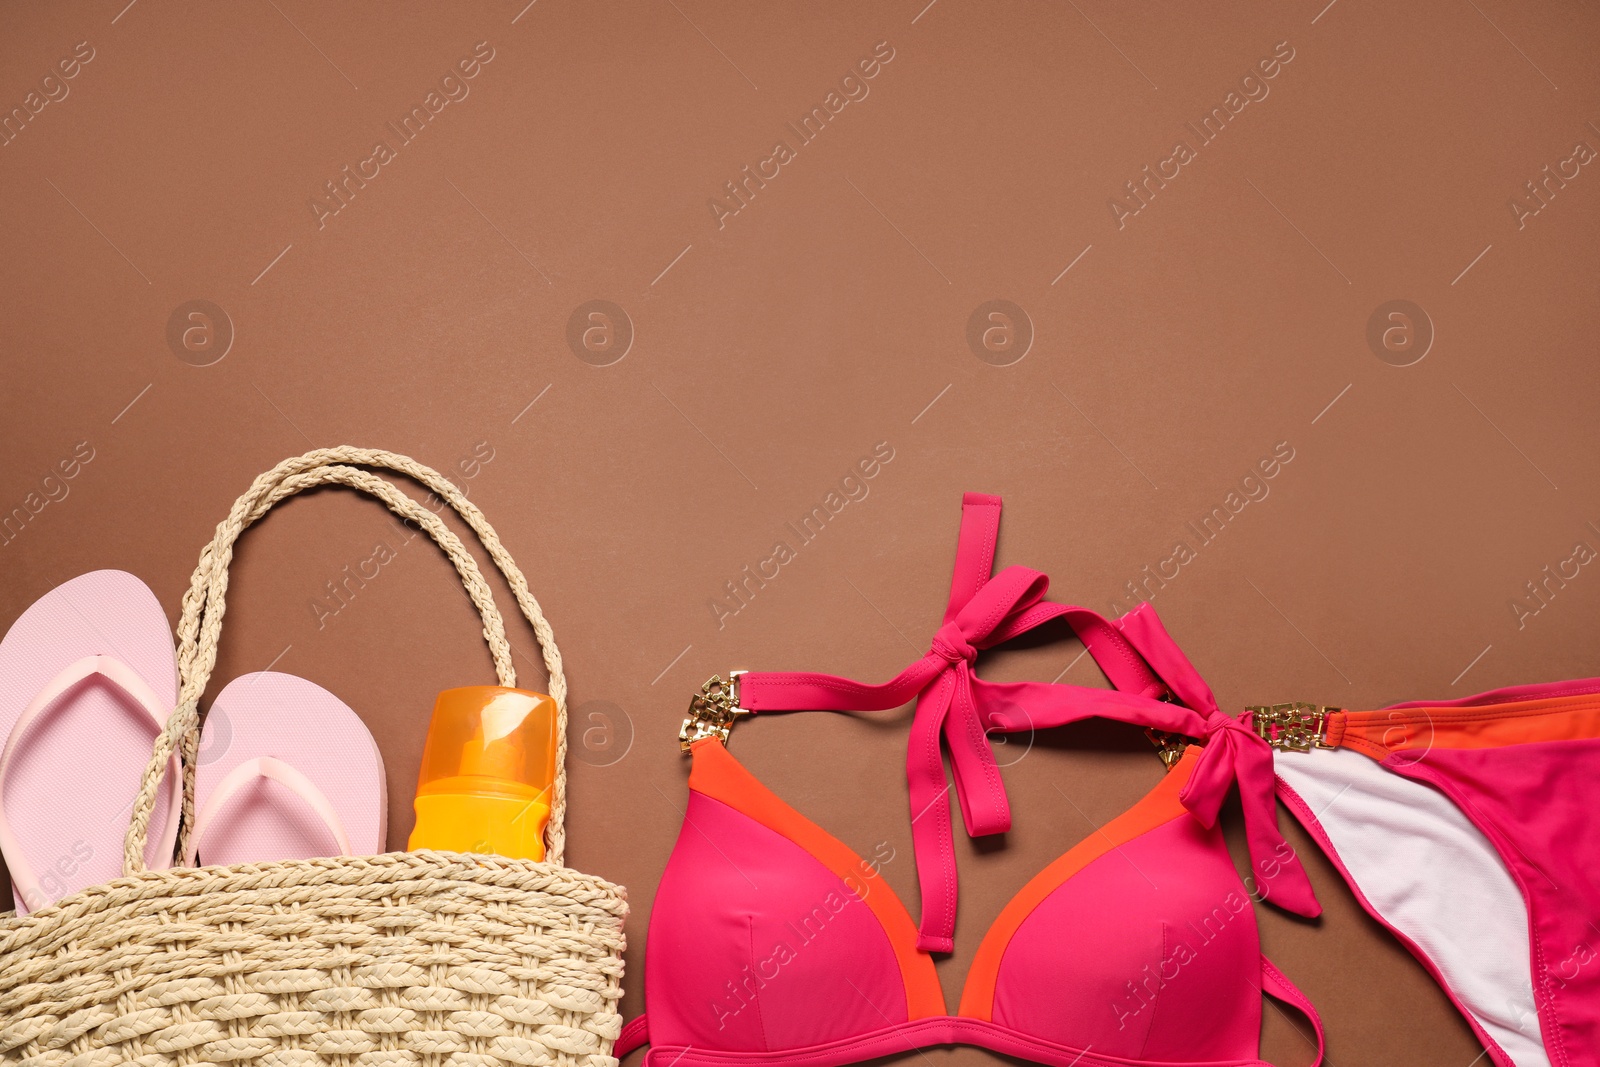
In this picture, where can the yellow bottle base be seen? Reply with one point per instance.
(497, 825)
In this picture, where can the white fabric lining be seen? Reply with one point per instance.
(1434, 877)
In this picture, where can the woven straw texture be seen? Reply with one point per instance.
(423, 958)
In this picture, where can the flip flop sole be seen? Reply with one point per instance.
(73, 775)
(298, 723)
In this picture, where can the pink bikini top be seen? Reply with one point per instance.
(772, 942)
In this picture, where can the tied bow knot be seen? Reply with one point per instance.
(951, 645)
(1227, 752)
(1234, 753)
(953, 704)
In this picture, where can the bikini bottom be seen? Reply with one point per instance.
(1471, 829)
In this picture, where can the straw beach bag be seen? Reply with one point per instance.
(423, 958)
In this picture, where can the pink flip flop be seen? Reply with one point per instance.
(87, 679)
(286, 771)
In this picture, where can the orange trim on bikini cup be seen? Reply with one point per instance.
(1379, 733)
(1158, 807)
(718, 775)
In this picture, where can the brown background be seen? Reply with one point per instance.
(830, 314)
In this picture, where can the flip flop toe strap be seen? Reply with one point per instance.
(273, 770)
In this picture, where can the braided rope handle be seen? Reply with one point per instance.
(204, 605)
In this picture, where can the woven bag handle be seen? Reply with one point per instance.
(204, 605)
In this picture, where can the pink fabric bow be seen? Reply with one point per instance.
(1231, 753)
(955, 705)
(951, 703)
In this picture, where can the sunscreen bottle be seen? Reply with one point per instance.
(487, 770)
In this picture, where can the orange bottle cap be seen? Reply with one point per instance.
(490, 739)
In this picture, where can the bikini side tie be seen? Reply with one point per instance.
(1233, 753)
